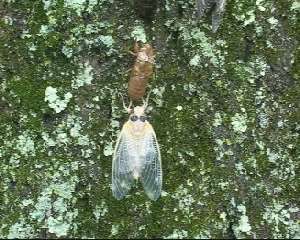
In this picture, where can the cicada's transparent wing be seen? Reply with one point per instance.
(122, 178)
(201, 6)
(151, 176)
(217, 14)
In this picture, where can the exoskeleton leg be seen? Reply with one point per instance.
(145, 103)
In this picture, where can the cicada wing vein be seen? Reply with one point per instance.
(122, 178)
(201, 6)
(217, 15)
(151, 175)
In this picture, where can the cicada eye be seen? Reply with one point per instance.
(143, 118)
(134, 118)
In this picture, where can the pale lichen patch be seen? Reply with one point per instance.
(239, 123)
(54, 101)
(243, 223)
(100, 210)
(138, 34)
(178, 234)
(25, 144)
(20, 230)
(80, 5)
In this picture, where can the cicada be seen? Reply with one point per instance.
(137, 156)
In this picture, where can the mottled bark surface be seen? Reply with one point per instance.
(224, 107)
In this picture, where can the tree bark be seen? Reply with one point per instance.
(224, 106)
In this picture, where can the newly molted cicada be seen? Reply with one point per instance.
(137, 156)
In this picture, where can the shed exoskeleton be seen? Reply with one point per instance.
(142, 70)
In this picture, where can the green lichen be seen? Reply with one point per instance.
(138, 34)
(85, 77)
(55, 102)
(239, 123)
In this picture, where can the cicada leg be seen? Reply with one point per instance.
(127, 109)
(133, 53)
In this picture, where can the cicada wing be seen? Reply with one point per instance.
(201, 6)
(151, 175)
(217, 14)
(216, 20)
(122, 177)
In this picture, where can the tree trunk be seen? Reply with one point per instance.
(224, 107)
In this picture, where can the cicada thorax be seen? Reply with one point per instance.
(137, 124)
(141, 72)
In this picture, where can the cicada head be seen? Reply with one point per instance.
(138, 121)
(138, 115)
(139, 110)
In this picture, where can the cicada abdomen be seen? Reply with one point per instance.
(137, 156)
(141, 71)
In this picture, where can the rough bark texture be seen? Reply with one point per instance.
(224, 107)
